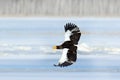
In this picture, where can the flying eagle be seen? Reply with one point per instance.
(72, 36)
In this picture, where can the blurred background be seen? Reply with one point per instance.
(30, 28)
(59, 8)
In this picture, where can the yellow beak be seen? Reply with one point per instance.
(54, 47)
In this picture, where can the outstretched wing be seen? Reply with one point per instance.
(67, 58)
(72, 33)
(64, 59)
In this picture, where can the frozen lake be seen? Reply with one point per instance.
(87, 67)
(26, 49)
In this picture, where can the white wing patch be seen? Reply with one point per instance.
(65, 50)
(67, 35)
(64, 56)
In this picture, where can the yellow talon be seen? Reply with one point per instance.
(54, 47)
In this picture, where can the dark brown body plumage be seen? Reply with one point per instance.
(72, 50)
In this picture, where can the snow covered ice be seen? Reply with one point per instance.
(26, 49)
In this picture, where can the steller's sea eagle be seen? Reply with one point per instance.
(72, 36)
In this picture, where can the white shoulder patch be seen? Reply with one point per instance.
(67, 35)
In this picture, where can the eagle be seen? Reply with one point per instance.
(69, 46)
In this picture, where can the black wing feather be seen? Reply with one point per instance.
(66, 63)
(75, 32)
(69, 26)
